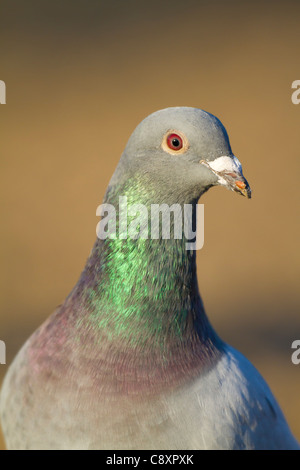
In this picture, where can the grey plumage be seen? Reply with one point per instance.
(130, 361)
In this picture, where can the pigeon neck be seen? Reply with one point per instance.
(142, 294)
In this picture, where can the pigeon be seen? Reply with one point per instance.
(130, 359)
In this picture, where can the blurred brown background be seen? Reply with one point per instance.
(80, 76)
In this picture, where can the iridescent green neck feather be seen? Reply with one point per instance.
(142, 292)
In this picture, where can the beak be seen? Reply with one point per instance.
(230, 174)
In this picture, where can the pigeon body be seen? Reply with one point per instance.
(130, 360)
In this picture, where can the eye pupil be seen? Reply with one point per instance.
(174, 141)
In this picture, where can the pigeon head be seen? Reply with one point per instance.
(185, 151)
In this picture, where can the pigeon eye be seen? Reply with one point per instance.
(174, 142)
